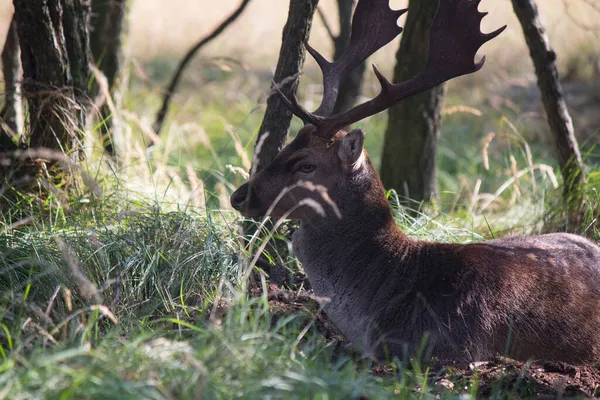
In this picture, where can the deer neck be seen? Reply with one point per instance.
(330, 245)
(350, 260)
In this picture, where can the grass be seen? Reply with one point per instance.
(174, 324)
(132, 286)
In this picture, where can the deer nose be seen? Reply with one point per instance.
(238, 198)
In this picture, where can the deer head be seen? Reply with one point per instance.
(324, 155)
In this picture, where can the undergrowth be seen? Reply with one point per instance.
(132, 283)
(147, 302)
(148, 305)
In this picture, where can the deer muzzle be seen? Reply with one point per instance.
(244, 201)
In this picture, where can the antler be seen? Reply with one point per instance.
(373, 26)
(455, 37)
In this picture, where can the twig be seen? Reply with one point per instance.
(326, 24)
(160, 117)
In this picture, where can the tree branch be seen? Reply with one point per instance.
(162, 113)
(326, 24)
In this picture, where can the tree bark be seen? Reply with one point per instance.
(276, 121)
(12, 113)
(54, 53)
(291, 59)
(411, 138)
(559, 120)
(351, 84)
(107, 27)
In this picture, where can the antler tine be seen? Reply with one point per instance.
(373, 26)
(455, 39)
(295, 107)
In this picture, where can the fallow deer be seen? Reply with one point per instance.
(525, 297)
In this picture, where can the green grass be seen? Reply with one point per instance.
(155, 245)
(176, 323)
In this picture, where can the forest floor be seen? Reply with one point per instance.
(132, 284)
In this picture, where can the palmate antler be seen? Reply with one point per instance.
(455, 37)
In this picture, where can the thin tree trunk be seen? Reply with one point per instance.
(411, 138)
(107, 27)
(559, 120)
(276, 121)
(162, 113)
(54, 54)
(291, 59)
(351, 84)
(12, 113)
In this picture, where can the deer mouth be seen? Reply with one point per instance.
(242, 200)
(249, 213)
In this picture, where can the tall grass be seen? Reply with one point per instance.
(146, 303)
(141, 292)
(133, 282)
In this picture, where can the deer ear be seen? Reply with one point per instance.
(351, 146)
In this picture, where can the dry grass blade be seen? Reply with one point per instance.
(541, 167)
(238, 171)
(197, 196)
(239, 148)
(52, 299)
(145, 128)
(475, 195)
(87, 288)
(102, 309)
(105, 97)
(514, 171)
(256, 154)
(484, 149)
(45, 334)
(462, 109)
(19, 223)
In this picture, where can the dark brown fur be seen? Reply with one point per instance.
(526, 297)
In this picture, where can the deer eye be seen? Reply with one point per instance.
(307, 168)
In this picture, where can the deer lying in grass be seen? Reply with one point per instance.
(526, 297)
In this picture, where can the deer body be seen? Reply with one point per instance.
(534, 296)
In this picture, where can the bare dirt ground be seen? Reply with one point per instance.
(503, 377)
(498, 378)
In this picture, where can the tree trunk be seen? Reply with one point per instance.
(559, 120)
(54, 54)
(276, 121)
(12, 114)
(107, 27)
(291, 59)
(411, 139)
(351, 84)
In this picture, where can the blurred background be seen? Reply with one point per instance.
(163, 30)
